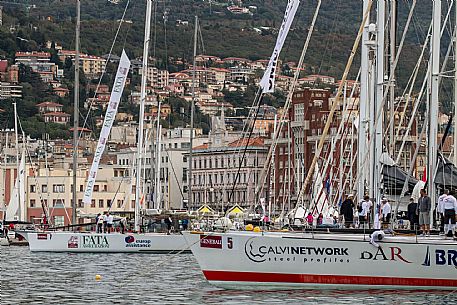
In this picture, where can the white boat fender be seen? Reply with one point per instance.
(377, 236)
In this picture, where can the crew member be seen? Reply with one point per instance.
(347, 210)
(109, 221)
(423, 210)
(450, 210)
(386, 211)
(440, 209)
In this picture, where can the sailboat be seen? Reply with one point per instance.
(372, 260)
(113, 242)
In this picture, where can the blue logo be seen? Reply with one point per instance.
(442, 257)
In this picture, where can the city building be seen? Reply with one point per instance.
(10, 90)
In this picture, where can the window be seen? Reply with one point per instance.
(80, 203)
(81, 188)
(105, 188)
(32, 188)
(32, 203)
(59, 221)
(184, 159)
(184, 175)
(101, 203)
(119, 203)
(185, 145)
(58, 188)
(44, 188)
(96, 188)
(92, 203)
(58, 203)
(108, 203)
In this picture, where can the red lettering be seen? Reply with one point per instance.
(395, 252)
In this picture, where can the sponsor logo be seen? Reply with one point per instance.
(259, 253)
(131, 242)
(442, 257)
(129, 239)
(95, 241)
(214, 242)
(42, 236)
(72, 242)
(393, 254)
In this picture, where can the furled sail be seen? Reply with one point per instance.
(18, 195)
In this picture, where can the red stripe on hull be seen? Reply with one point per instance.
(232, 276)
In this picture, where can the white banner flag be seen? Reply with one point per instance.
(268, 80)
(115, 98)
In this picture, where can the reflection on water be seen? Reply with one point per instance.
(62, 278)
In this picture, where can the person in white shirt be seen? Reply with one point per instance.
(440, 209)
(386, 211)
(364, 211)
(109, 221)
(450, 210)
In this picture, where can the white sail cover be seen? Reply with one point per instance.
(319, 200)
(115, 98)
(268, 80)
(16, 200)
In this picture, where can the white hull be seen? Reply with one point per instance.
(105, 243)
(330, 261)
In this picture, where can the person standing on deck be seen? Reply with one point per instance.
(450, 210)
(109, 221)
(99, 223)
(105, 222)
(386, 211)
(365, 211)
(347, 210)
(412, 217)
(440, 209)
(423, 210)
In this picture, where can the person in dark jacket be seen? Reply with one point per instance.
(412, 216)
(347, 210)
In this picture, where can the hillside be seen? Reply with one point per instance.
(28, 24)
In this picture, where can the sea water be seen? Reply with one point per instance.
(65, 278)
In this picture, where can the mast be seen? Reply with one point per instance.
(192, 110)
(455, 88)
(393, 24)
(434, 104)
(147, 32)
(76, 112)
(18, 162)
(379, 95)
(158, 159)
(363, 107)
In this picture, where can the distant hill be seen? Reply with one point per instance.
(224, 33)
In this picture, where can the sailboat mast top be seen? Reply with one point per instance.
(147, 34)
(192, 110)
(76, 112)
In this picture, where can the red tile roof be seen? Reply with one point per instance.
(44, 104)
